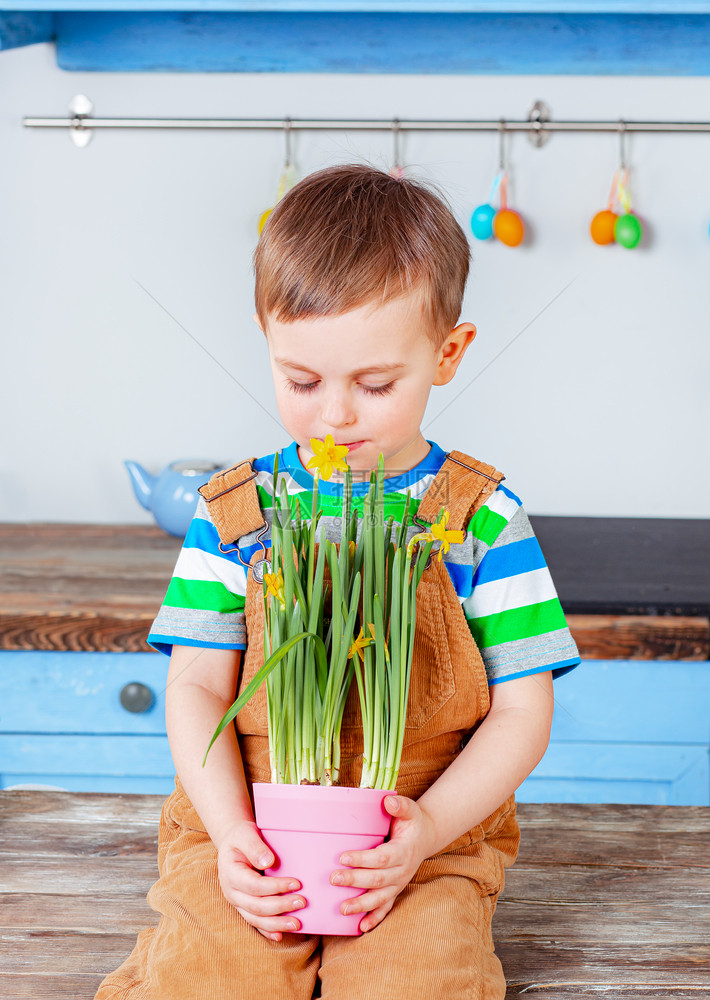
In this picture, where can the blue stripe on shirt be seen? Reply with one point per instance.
(165, 643)
(558, 669)
(203, 535)
(460, 577)
(510, 494)
(510, 560)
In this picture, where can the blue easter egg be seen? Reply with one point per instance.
(482, 222)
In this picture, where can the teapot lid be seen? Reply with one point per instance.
(194, 467)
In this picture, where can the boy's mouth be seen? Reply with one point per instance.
(350, 444)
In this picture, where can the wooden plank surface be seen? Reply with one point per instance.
(604, 900)
(98, 587)
(641, 637)
(82, 587)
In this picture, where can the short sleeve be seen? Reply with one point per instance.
(513, 609)
(204, 603)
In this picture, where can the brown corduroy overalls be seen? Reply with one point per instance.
(437, 937)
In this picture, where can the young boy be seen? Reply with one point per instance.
(359, 284)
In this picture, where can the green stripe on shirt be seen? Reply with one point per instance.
(517, 623)
(202, 595)
(486, 525)
(332, 506)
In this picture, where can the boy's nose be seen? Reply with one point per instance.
(338, 411)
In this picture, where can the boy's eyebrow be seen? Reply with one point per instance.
(395, 366)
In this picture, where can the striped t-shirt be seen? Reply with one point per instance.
(499, 572)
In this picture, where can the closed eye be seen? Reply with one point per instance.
(373, 390)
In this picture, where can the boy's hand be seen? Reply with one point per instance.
(387, 869)
(261, 899)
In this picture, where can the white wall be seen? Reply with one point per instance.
(599, 408)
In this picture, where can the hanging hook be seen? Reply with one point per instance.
(501, 145)
(80, 108)
(622, 144)
(397, 170)
(288, 134)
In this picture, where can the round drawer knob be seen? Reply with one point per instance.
(136, 697)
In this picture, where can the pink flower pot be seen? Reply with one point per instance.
(308, 827)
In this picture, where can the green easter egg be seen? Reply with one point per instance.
(628, 230)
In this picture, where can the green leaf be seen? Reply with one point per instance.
(256, 682)
(402, 532)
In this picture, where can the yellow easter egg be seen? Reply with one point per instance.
(263, 217)
(508, 226)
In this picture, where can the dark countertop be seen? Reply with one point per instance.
(631, 588)
(624, 565)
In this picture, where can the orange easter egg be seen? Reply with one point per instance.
(602, 227)
(508, 227)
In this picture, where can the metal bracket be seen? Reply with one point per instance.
(537, 116)
(80, 108)
(260, 567)
(425, 526)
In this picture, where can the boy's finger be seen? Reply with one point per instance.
(400, 806)
(268, 906)
(375, 917)
(365, 878)
(378, 857)
(271, 925)
(369, 901)
(256, 851)
(246, 880)
(270, 935)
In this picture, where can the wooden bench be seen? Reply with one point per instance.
(604, 900)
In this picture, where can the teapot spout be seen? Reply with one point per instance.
(142, 482)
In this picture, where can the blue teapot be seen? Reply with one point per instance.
(171, 496)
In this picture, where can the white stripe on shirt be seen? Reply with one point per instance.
(511, 592)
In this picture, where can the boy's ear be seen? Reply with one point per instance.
(452, 351)
(258, 322)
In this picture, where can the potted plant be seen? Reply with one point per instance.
(311, 659)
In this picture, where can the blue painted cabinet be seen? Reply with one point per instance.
(62, 722)
(634, 731)
(623, 731)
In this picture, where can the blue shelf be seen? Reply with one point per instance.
(662, 39)
(371, 6)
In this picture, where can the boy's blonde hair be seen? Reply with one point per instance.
(351, 235)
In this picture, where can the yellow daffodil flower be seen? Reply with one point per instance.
(275, 587)
(327, 455)
(437, 533)
(423, 536)
(446, 538)
(356, 648)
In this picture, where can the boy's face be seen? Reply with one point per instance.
(364, 377)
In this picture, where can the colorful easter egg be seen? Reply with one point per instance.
(482, 222)
(508, 227)
(628, 230)
(602, 227)
(263, 217)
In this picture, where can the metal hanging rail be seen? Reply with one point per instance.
(538, 125)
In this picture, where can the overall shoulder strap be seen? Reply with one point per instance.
(234, 511)
(462, 485)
